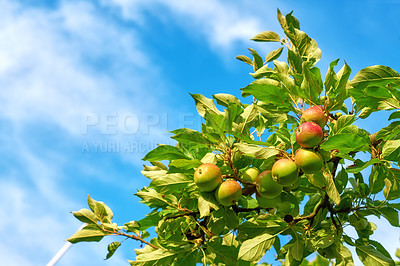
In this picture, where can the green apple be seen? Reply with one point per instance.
(250, 174)
(315, 114)
(309, 135)
(228, 193)
(207, 177)
(266, 186)
(308, 161)
(285, 172)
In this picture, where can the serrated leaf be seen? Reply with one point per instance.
(394, 115)
(344, 255)
(225, 99)
(152, 198)
(331, 189)
(112, 247)
(391, 150)
(345, 143)
(257, 60)
(245, 59)
(204, 104)
(193, 137)
(359, 165)
(156, 257)
(185, 164)
(101, 210)
(165, 152)
(377, 75)
(169, 183)
(85, 216)
(274, 54)
(253, 249)
(263, 90)
(257, 151)
(391, 214)
(342, 122)
(370, 256)
(267, 36)
(90, 233)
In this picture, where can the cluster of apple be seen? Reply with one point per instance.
(284, 172)
(208, 177)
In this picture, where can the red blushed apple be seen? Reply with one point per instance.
(315, 114)
(309, 135)
(285, 172)
(266, 186)
(207, 177)
(308, 161)
(228, 193)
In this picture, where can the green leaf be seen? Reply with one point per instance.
(344, 257)
(204, 104)
(370, 256)
(342, 122)
(186, 135)
(244, 121)
(225, 99)
(394, 115)
(359, 165)
(101, 210)
(85, 216)
(156, 257)
(271, 56)
(185, 164)
(392, 185)
(203, 206)
(169, 183)
(297, 249)
(90, 233)
(245, 59)
(331, 189)
(257, 60)
(150, 220)
(152, 198)
(341, 180)
(345, 143)
(391, 150)
(390, 132)
(165, 152)
(374, 76)
(112, 247)
(267, 36)
(253, 249)
(391, 214)
(264, 91)
(256, 151)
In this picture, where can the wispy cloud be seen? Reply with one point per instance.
(221, 23)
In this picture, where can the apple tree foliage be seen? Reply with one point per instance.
(360, 177)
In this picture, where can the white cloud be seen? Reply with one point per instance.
(221, 22)
(50, 80)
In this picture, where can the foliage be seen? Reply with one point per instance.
(192, 227)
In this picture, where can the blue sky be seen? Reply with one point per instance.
(88, 88)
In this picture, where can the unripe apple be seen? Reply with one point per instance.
(207, 177)
(266, 186)
(315, 114)
(285, 172)
(308, 161)
(250, 174)
(228, 193)
(309, 135)
(264, 202)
